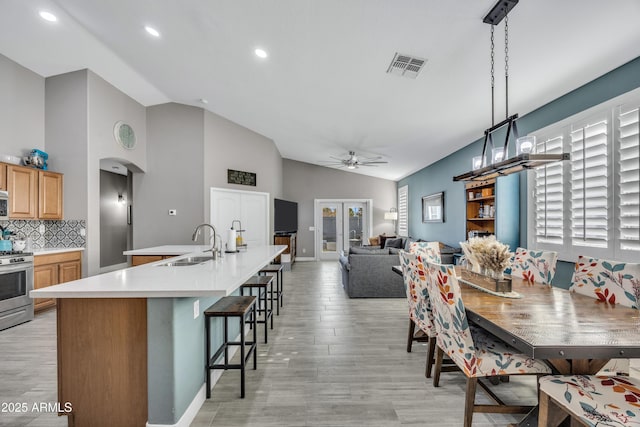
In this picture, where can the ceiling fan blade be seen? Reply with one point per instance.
(372, 163)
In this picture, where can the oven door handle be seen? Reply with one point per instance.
(16, 267)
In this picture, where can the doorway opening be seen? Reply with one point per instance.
(341, 224)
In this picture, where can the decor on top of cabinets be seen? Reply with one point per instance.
(433, 208)
(524, 159)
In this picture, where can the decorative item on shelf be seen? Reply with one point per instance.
(37, 159)
(524, 159)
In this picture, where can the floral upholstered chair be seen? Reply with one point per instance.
(477, 353)
(430, 249)
(611, 282)
(534, 266)
(592, 400)
(419, 305)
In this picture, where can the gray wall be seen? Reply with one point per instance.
(228, 145)
(113, 218)
(21, 109)
(174, 177)
(304, 182)
(438, 176)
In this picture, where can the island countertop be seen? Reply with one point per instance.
(211, 278)
(168, 250)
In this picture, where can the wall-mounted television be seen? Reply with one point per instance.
(285, 216)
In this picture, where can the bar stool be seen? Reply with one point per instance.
(278, 269)
(264, 284)
(231, 306)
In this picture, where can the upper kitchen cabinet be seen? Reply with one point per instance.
(22, 184)
(3, 176)
(49, 195)
(33, 193)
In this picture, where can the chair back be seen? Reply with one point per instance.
(430, 249)
(609, 281)
(450, 318)
(534, 266)
(415, 283)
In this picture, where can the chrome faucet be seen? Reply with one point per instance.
(215, 251)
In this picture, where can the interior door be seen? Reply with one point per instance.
(330, 230)
(354, 220)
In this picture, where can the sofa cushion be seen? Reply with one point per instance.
(394, 243)
(356, 250)
(383, 238)
(395, 251)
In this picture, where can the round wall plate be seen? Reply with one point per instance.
(124, 134)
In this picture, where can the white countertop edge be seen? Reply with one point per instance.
(121, 286)
(168, 250)
(49, 251)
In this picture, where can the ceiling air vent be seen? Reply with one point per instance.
(405, 65)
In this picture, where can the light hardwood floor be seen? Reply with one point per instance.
(330, 361)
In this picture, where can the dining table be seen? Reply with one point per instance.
(574, 333)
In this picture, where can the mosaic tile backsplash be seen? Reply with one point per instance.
(65, 234)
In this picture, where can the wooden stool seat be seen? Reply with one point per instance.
(231, 306)
(264, 284)
(278, 269)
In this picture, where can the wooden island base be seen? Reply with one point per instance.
(102, 360)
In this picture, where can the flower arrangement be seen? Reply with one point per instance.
(486, 254)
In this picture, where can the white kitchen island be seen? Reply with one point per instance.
(131, 342)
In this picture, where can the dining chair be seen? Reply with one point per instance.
(590, 400)
(430, 249)
(610, 282)
(477, 353)
(534, 266)
(415, 278)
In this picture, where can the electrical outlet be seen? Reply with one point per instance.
(304, 250)
(312, 228)
(173, 212)
(83, 232)
(196, 309)
(41, 229)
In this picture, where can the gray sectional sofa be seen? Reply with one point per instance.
(366, 271)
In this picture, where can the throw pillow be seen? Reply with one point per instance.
(383, 238)
(374, 241)
(393, 243)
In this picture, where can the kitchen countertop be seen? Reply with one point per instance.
(211, 278)
(49, 251)
(168, 250)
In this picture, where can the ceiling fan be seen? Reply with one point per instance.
(353, 162)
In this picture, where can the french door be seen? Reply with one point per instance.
(341, 224)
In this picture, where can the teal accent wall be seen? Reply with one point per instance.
(439, 175)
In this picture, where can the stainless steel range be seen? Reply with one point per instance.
(16, 281)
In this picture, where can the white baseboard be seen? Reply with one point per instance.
(201, 396)
(305, 258)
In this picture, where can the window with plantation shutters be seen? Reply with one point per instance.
(589, 185)
(403, 211)
(629, 179)
(589, 205)
(549, 194)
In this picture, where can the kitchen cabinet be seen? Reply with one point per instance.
(146, 259)
(53, 269)
(3, 176)
(22, 184)
(493, 207)
(49, 195)
(33, 193)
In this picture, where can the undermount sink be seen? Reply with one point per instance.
(186, 261)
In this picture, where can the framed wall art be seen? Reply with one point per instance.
(433, 208)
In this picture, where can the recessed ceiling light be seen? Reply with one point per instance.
(260, 53)
(152, 31)
(48, 16)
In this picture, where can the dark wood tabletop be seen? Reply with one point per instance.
(575, 333)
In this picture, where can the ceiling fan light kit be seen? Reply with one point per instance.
(525, 146)
(354, 162)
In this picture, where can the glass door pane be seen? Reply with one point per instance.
(331, 229)
(354, 221)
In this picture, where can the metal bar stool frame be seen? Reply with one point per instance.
(279, 270)
(264, 284)
(220, 309)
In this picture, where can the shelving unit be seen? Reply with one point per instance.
(493, 207)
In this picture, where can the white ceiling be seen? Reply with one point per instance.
(324, 90)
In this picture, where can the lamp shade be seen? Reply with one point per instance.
(393, 215)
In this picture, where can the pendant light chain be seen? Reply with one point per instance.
(506, 64)
(493, 84)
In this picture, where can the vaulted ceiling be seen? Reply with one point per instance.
(324, 89)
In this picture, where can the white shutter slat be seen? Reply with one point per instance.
(549, 189)
(629, 180)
